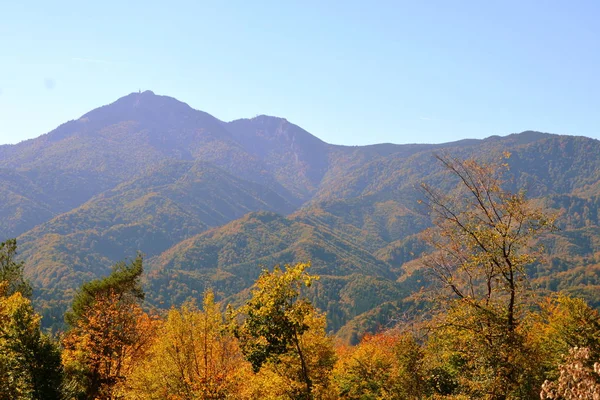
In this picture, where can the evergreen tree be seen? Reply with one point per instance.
(109, 333)
(11, 271)
(124, 281)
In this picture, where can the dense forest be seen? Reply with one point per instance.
(480, 329)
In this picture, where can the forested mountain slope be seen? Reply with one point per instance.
(210, 203)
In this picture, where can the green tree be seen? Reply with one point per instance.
(481, 246)
(280, 329)
(11, 271)
(30, 365)
(124, 281)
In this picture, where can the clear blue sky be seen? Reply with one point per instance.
(350, 72)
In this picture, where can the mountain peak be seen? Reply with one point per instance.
(147, 99)
(138, 105)
(526, 137)
(263, 118)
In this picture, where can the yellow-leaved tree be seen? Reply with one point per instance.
(29, 361)
(30, 366)
(284, 339)
(194, 356)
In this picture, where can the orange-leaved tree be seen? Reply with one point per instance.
(388, 365)
(109, 333)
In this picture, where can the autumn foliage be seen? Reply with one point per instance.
(106, 345)
(484, 334)
(192, 356)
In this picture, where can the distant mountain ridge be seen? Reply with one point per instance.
(211, 202)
